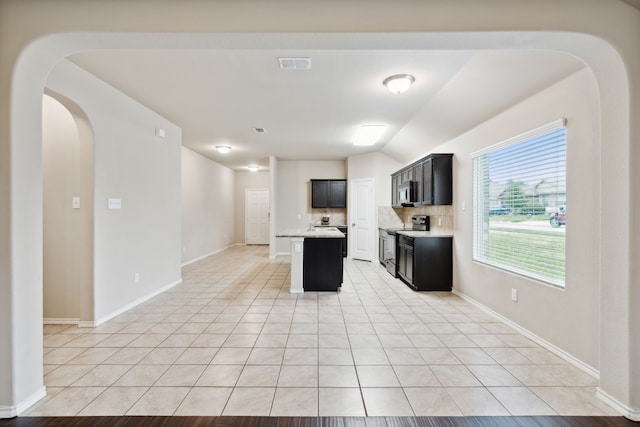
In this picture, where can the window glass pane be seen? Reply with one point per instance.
(520, 206)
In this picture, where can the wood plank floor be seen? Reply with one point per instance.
(130, 421)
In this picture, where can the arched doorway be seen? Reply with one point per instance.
(614, 276)
(67, 213)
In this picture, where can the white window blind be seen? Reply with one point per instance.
(519, 204)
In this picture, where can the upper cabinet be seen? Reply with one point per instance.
(328, 193)
(437, 179)
(434, 181)
(395, 187)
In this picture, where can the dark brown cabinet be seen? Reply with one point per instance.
(425, 263)
(433, 176)
(407, 174)
(437, 180)
(417, 176)
(404, 259)
(322, 264)
(344, 230)
(328, 193)
(395, 187)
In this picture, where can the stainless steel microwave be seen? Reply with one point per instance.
(408, 192)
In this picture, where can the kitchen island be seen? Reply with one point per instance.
(316, 259)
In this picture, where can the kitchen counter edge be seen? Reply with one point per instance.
(327, 233)
(416, 233)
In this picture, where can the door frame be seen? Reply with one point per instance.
(373, 216)
(246, 214)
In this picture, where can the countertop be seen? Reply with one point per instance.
(415, 233)
(315, 233)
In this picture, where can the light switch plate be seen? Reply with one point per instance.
(114, 203)
(75, 202)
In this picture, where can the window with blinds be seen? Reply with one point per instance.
(519, 204)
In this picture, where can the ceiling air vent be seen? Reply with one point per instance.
(295, 63)
(260, 130)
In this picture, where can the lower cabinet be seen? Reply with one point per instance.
(426, 263)
(345, 240)
(404, 259)
(322, 264)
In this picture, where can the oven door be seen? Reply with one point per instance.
(390, 254)
(390, 248)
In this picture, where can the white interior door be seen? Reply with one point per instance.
(362, 209)
(256, 228)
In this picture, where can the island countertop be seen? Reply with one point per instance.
(319, 232)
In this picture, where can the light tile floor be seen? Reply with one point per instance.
(231, 340)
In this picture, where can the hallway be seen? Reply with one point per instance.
(231, 340)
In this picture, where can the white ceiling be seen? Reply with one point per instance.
(219, 96)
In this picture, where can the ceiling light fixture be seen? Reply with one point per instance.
(368, 134)
(253, 168)
(399, 83)
(223, 149)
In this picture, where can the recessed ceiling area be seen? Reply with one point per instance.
(219, 97)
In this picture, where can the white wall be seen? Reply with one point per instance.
(377, 166)
(294, 193)
(132, 164)
(245, 180)
(567, 318)
(273, 202)
(207, 206)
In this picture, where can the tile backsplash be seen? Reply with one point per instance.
(389, 217)
(338, 216)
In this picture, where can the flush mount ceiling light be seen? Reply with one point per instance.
(399, 83)
(223, 149)
(253, 168)
(368, 134)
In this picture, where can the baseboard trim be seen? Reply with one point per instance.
(60, 321)
(132, 304)
(279, 254)
(184, 264)
(535, 338)
(626, 411)
(87, 324)
(14, 411)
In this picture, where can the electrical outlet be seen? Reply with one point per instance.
(514, 295)
(136, 278)
(439, 221)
